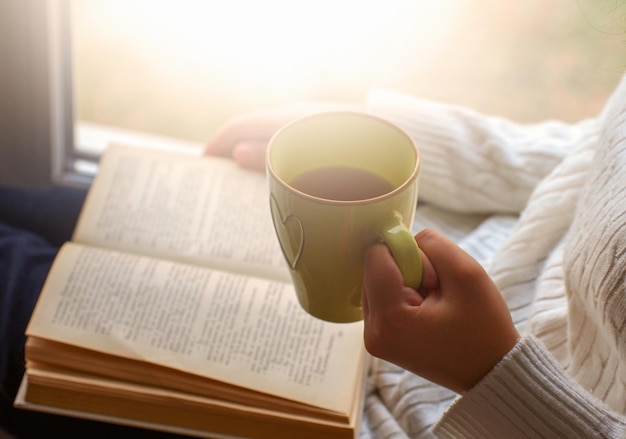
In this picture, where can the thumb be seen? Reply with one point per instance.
(452, 265)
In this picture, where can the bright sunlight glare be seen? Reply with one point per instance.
(184, 67)
(271, 46)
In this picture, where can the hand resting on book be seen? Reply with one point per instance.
(245, 137)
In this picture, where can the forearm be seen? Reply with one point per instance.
(476, 163)
(529, 395)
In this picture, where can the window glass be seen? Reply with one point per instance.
(181, 68)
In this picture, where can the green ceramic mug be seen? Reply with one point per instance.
(339, 182)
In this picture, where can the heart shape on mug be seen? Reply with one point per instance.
(290, 234)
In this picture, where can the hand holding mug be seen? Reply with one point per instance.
(452, 331)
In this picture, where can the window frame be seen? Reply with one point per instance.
(41, 142)
(37, 123)
(76, 146)
(66, 159)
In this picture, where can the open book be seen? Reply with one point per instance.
(172, 308)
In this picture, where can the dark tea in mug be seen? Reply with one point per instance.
(341, 183)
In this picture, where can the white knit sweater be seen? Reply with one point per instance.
(543, 208)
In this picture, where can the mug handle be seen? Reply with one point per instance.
(404, 250)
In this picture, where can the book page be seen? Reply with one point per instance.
(202, 210)
(241, 330)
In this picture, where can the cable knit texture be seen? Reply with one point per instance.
(543, 208)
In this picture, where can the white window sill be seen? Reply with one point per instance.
(91, 140)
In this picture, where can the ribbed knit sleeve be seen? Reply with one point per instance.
(526, 395)
(473, 163)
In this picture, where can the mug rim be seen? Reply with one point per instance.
(407, 182)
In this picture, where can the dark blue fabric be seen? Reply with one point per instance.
(48, 213)
(33, 225)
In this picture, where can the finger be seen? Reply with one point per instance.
(383, 282)
(380, 274)
(430, 281)
(223, 142)
(451, 264)
(250, 154)
(243, 128)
